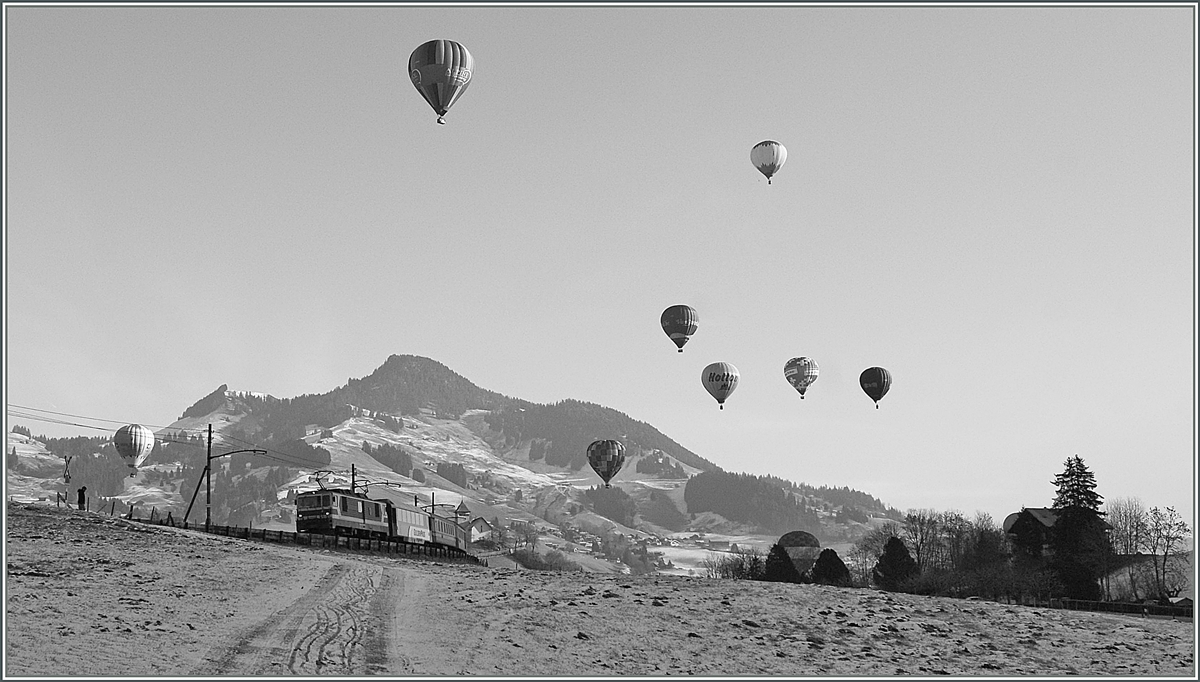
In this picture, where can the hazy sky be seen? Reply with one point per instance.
(994, 203)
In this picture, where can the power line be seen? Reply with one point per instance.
(283, 457)
(77, 416)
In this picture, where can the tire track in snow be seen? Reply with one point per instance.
(332, 630)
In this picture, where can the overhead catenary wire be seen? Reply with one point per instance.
(23, 412)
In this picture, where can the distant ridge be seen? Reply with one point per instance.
(558, 433)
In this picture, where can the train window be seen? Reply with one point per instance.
(324, 500)
(345, 504)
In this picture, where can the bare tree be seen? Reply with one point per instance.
(1128, 518)
(955, 541)
(872, 543)
(1165, 533)
(921, 528)
(530, 534)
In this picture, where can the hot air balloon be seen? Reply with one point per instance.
(606, 457)
(134, 443)
(800, 373)
(875, 381)
(679, 322)
(441, 70)
(720, 378)
(768, 157)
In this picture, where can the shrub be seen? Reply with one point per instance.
(830, 570)
(779, 567)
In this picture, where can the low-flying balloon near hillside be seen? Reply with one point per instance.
(800, 373)
(875, 382)
(720, 379)
(134, 443)
(768, 157)
(606, 457)
(441, 70)
(680, 322)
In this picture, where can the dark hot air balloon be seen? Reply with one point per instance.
(134, 443)
(875, 382)
(680, 322)
(800, 373)
(720, 379)
(441, 70)
(606, 457)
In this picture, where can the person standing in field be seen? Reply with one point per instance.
(82, 497)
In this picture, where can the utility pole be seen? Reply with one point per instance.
(207, 476)
(208, 482)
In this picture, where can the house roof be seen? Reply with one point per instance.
(1043, 515)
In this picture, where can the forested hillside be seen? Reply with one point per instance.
(756, 500)
(568, 427)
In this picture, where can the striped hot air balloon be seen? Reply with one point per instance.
(800, 373)
(606, 457)
(768, 157)
(134, 443)
(441, 70)
(680, 322)
(720, 379)
(875, 382)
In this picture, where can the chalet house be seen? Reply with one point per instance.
(1035, 524)
(311, 429)
(1031, 521)
(480, 529)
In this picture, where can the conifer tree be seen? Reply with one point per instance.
(895, 565)
(1076, 487)
(1080, 537)
(829, 569)
(779, 567)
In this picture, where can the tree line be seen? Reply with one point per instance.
(745, 498)
(1074, 549)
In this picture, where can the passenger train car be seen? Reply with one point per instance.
(345, 512)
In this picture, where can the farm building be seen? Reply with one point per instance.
(480, 529)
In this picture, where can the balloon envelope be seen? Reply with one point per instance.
(768, 157)
(606, 457)
(680, 322)
(800, 373)
(134, 443)
(441, 70)
(875, 382)
(720, 379)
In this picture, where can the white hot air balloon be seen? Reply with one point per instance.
(134, 443)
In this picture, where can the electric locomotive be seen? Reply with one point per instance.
(339, 511)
